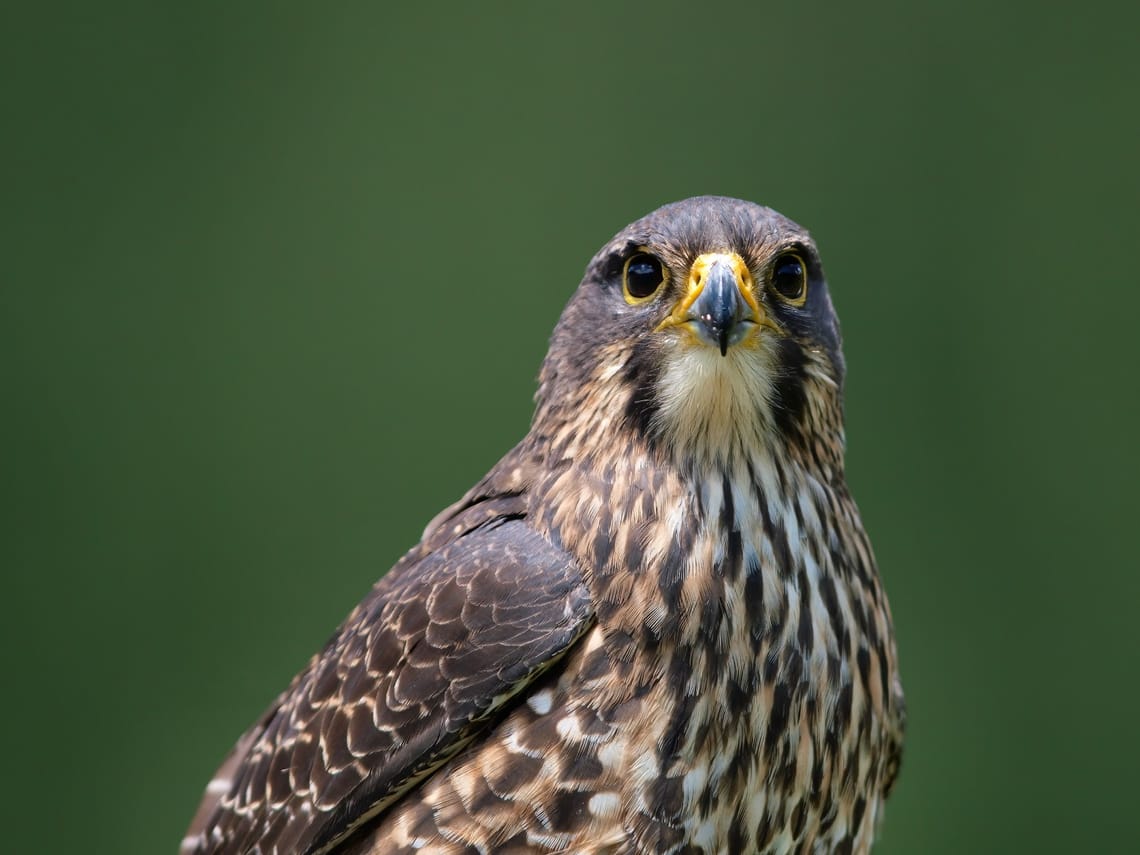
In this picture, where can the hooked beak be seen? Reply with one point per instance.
(719, 306)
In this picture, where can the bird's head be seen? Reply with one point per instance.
(706, 327)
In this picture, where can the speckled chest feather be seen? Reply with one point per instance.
(655, 626)
(737, 694)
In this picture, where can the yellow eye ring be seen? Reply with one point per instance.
(789, 278)
(642, 276)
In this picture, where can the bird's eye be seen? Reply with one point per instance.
(642, 278)
(789, 278)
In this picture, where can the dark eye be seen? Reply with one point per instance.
(789, 278)
(643, 276)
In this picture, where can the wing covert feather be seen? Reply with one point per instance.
(439, 644)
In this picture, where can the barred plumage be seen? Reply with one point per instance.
(655, 626)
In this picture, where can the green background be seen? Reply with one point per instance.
(277, 282)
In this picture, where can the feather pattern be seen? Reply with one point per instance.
(655, 626)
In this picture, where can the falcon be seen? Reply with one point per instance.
(655, 626)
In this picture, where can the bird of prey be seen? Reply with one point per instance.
(656, 626)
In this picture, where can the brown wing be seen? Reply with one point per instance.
(441, 643)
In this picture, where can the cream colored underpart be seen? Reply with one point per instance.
(713, 405)
(717, 410)
(624, 755)
(724, 736)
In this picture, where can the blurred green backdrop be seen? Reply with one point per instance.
(277, 281)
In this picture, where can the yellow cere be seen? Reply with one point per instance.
(697, 274)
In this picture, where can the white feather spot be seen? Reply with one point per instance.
(610, 755)
(569, 729)
(693, 783)
(219, 786)
(604, 805)
(541, 702)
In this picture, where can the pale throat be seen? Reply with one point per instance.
(717, 419)
(716, 411)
